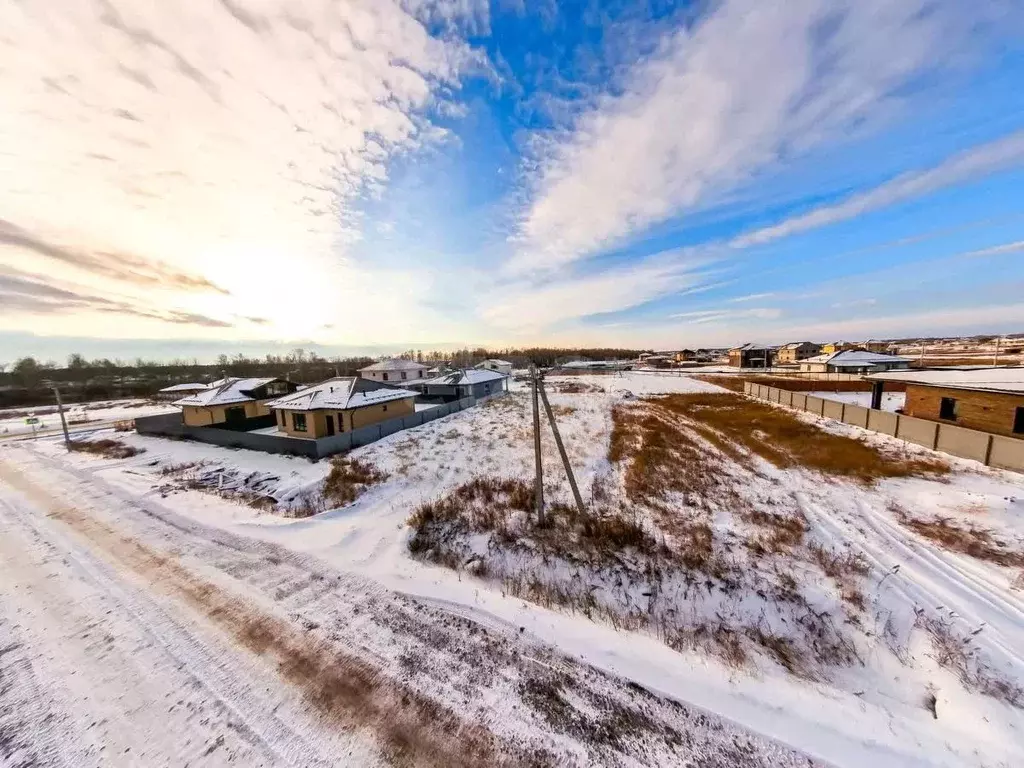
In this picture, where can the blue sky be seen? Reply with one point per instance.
(376, 175)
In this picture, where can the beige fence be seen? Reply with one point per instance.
(994, 450)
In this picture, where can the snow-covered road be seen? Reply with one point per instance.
(130, 635)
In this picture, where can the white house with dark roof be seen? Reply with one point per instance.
(501, 366)
(340, 405)
(393, 370)
(465, 382)
(232, 401)
(854, 361)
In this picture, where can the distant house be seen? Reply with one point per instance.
(394, 371)
(750, 356)
(874, 345)
(836, 346)
(987, 399)
(501, 366)
(684, 356)
(176, 391)
(465, 382)
(232, 401)
(340, 405)
(796, 351)
(853, 361)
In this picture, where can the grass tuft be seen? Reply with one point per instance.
(348, 479)
(108, 449)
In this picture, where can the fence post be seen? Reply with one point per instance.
(988, 450)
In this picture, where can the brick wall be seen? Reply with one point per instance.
(988, 411)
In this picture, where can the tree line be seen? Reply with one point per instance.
(28, 381)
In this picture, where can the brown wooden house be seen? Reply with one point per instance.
(986, 399)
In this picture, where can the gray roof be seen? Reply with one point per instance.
(225, 392)
(750, 348)
(464, 376)
(855, 358)
(190, 387)
(393, 364)
(339, 394)
(798, 344)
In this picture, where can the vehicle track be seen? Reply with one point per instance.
(489, 694)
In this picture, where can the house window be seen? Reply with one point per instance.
(385, 407)
(403, 375)
(1018, 421)
(299, 422)
(385, 377)
(948, 409)
(280, 418)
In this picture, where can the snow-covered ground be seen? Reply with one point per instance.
(80, 414)
(891, 401)
(868, 713)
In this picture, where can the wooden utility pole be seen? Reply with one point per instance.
(995, 359)
(561, 449)
(538, 483)
(63, 421)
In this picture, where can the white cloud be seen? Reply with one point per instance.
(728, 315)
(527, 307)
(978, 161)
(229, 139)
(724, 100)
(751, 297)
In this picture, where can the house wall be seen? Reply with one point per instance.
(204, 416)
(395, 376)
(348, 420)
(987, 411)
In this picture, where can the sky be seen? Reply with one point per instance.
(181, 180)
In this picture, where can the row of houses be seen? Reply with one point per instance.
(834, 357)
(388, 389)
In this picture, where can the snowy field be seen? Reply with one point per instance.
(877, 707)
(891, 401)
(80, 414)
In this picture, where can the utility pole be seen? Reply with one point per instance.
(561, 450)
(63, 421)
(995, 360)
(538, 483)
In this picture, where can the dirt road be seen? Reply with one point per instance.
(132, 636)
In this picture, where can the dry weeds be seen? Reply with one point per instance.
(967, 540)
(108, 449)
(348, 479)
(785, 441)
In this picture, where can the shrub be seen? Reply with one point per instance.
(348, 479)
(108, 449)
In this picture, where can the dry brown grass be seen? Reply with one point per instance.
(348, 479)
(954, 650)
(781, 532)
(785, 441)
(735, 383)
(108, 449)
(503, 507)
(968, 540)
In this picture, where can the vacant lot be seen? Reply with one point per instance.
(762, 547)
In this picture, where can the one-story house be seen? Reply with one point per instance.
(501, 366)
(232, 401)
(853, 361)
(340, 405)
(796, 351)
(465, 382)
(986, 399)
(750, 356)
(394, 370)
(176, 391)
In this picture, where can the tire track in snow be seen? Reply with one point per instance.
(929, 577)
(237, 707)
